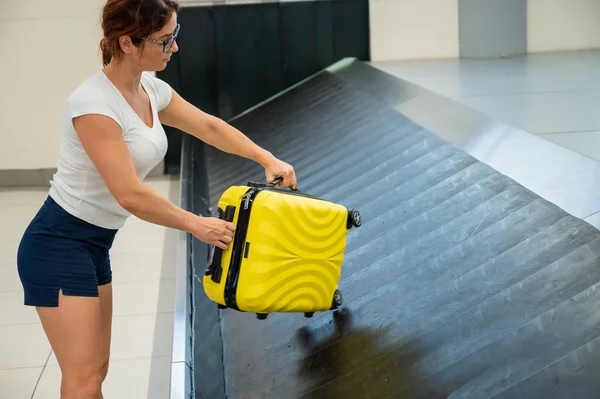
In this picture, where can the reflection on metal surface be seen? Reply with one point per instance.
(557, 174)
(594, 220)
(181, 381)
(181, 300)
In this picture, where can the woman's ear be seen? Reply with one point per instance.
(126, 44)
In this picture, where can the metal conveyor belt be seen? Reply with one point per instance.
(459, 283)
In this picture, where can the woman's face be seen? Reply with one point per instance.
(158, 47)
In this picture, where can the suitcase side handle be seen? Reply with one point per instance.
(215, 268)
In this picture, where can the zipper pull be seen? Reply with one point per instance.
(246, 199)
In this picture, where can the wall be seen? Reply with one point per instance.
(412, 29)
(417, 29)
(555, 25)
(492, 28)
(48, 48)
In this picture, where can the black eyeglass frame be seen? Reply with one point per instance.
(168, 43)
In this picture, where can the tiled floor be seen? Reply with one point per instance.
(144, 281)
(554, 95)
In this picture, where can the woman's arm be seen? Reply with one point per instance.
(219, 134)
(102, 139)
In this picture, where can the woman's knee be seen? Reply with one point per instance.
(88, 385)
(104, 369)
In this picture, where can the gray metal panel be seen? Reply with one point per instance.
(492, 28)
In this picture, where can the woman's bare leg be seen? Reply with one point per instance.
(75, 332)
(106, 312)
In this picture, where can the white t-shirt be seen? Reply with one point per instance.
(77, 186)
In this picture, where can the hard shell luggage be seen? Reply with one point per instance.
(286, 255)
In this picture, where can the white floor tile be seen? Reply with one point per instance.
(586, 143)
(142, 267)
(142, 336)
(13, 312)
(33, 197)
(138, 236)
(143, 298)
(139, 336)
(139, 378)
(15, 219)
(8, 260)
(49, 384)
(536, 73)
(146, 378)
(9, 279)
(19, 383)
(8, 252)
(12, 230)
(23, 346)
(543, 112)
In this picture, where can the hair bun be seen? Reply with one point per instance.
(106, 51)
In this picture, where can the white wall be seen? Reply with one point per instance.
(412, 29)
(48, 48)
(555, 25)
(417, 29)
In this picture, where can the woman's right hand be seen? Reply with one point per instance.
(214, 231)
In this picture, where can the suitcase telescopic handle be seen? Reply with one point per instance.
(279, 180)
(275, 182)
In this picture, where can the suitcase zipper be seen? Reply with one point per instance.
(288, 192)
(237, 252)
(246, 199)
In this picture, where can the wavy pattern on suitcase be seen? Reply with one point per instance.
(301, 288)
(295, 256)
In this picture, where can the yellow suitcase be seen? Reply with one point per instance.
(286, 255)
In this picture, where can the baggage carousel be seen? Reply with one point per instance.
(472, 274)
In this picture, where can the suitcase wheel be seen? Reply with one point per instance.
(261, 316)
(309, 314)
(338, 300)
(354, 218)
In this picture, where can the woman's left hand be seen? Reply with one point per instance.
(277, 168)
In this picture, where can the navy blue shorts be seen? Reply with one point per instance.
(59, 251)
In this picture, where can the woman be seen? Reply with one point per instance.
(112, 138)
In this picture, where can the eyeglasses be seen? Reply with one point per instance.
(167, 44)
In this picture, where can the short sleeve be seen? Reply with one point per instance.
(162, 91)
(84, 102)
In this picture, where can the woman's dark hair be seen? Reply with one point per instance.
(134, 18)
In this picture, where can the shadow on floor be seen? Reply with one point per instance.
(331, 371)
